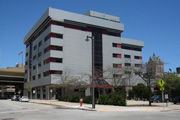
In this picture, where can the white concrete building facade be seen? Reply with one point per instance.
(57, 44)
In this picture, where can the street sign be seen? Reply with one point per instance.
(166, 96)
(161, 88)
(161, 82)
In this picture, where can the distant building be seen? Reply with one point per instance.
(155, 66)
(178, 70)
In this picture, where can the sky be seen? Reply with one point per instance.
(156, 22)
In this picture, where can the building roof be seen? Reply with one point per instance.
(154, 58)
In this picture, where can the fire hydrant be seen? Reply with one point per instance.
(81, 102)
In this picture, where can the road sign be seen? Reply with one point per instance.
(161, 88)
(161, 82)
(166, 96)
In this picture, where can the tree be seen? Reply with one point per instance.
(172, 83)
(114, 77)
(68, 80)
(148, 77)
(140, 91)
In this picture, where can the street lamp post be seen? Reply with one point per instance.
(93, 98)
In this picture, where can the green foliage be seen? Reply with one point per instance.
(113, 99)
(172, 83)
(130, 94)
(74, 98)
(88, 99)
(63, 98)
(141, 91)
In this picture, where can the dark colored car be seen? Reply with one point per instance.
(18, 98)
(177, 99)
(15, 98)
(158, 98)
(3, 97)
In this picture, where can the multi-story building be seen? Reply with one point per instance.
(57, 45)
(155, 66)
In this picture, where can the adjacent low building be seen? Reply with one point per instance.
(11, 81)
(57, 48)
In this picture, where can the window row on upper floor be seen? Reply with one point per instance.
(115, 65)
(42, 28)
(116, 55)
(134, 48)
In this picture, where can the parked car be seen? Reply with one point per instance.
(18, 98)
(177, 99)
(15, 98)
(24, 99)
(3, 97)
(158, 98)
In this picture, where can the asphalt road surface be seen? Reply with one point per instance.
(13, 110)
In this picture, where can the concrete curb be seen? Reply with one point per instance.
(105, 108)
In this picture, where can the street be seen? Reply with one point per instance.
(13, 110)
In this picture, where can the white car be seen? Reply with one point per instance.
(24, 99)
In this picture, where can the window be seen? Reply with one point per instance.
(44, 74)
(40, 43)
(59, 60)
(127, 64)
(59, 23)
(136, 57)
(46, 49)
(39, 64)
(46, 38)
(127, 56)
(26, 62)
(34, 67)
(51, 72)
(117, 76)
(114, 44)
(117, 65)
(59, 36)
(113, 33)
(39, 76)
(34, 77)
(34, 57)
(39, 54)
(35, 47)
(138, 65)
(26, 54)
(59, 48)
(115, 55)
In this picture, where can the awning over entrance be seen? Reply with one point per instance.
(101, 83)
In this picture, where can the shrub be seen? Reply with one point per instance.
(112, 99)
(61, 98)
(88, 99)
(74, 98)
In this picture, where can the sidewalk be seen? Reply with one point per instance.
(132, 106)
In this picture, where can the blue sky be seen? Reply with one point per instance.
(156, 22)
